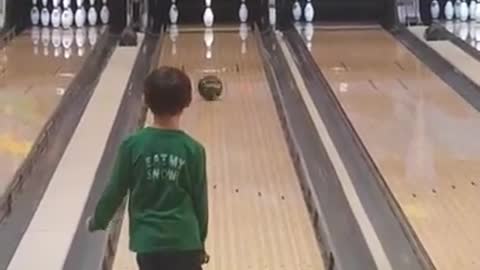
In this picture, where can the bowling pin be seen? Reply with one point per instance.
(56, 17)
(463, 11)
(34, 2)
(56, 3)
(272, 15)
(45, 17)
(208, 16)
(435, 9)
(92, 16)
(208, 38)
(66, 3)
(173, 13)
(80, 16)
(449, 10)
(144, 18)
(243, 12)
(34, 15)
(309, 12)
(243, 32)
(472, 9)
(67, 18)
(457, 9)
(44, 3)
(477, 13)
(308, 35)
(297, 11)
(104, 14)
(92, 36)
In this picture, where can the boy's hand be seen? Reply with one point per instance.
(89, 224)
(205, 258)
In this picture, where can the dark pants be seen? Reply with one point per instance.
(188, 260)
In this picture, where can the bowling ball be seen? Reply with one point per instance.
(128, 38)
(435, 32)
(210, 87)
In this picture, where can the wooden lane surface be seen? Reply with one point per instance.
(258, 217)
(30, 89)
(422, 136)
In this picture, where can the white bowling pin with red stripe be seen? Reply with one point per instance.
(34, 15)
(449, 10)
(208, 16)
(56, 17)
(309, 11)
(104, 13)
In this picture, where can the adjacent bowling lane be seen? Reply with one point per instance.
(35, 71)
(421, 134)
(258, 217)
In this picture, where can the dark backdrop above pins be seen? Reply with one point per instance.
(18, 13)
(344, 10)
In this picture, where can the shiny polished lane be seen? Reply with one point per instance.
(422, 136)
(259, 219)
(31, 86)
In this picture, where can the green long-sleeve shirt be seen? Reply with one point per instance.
(164, 174)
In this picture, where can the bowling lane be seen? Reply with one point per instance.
(421, 134)
(34, 74)
(258, 217)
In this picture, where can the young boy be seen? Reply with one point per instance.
(163, 170)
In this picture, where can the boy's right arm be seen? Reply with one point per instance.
(200, 194)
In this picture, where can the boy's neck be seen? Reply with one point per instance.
(167, 122)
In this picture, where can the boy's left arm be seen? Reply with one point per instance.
(113, 195)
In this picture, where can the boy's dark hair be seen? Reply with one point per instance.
(168, 91)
